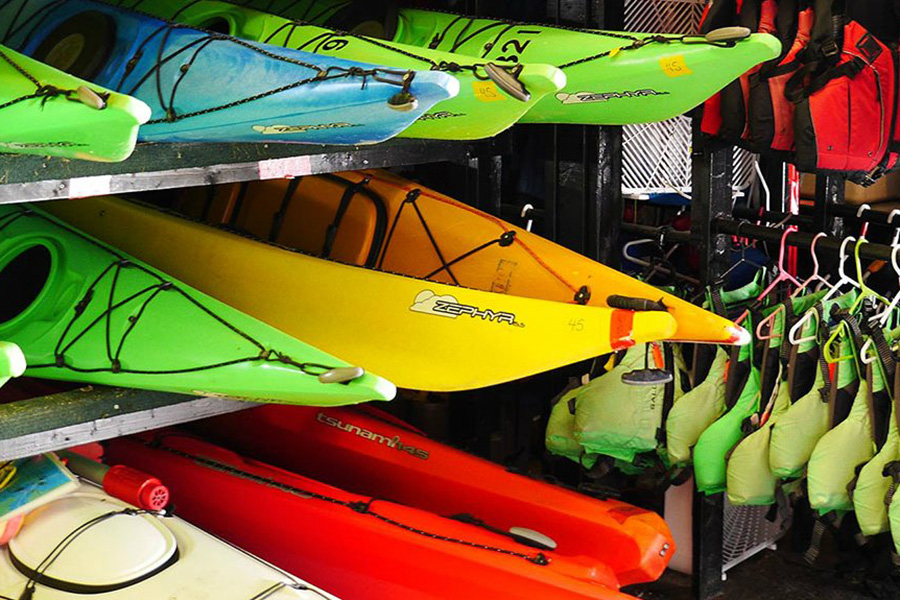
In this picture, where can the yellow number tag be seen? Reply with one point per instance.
(487, 91)
(675, 66)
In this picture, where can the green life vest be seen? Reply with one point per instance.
(718, 439)
(560, 437)
(799, 429)
(615, 419)
(695, 411)
(850, 444)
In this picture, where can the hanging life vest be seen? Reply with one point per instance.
(725, 115)
(846, 98)
(771, 114)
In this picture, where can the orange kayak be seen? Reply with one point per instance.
(377, 219)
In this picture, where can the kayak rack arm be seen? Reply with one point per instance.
(153, 167)
(94, 414)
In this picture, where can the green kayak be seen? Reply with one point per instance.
(614, 78)
(81, 311)
(493, 96)
(47, 112)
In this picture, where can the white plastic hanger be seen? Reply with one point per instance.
(794, 333)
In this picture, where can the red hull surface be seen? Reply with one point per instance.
(357, 546)
(374, 454)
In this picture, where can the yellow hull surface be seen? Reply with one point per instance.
(377, 219)
(420, 334)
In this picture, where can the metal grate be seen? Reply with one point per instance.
(657, 156)
(748, 530)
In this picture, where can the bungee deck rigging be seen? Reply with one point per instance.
(208, 86)
(493, 95)
(117, 321)
(47, 112)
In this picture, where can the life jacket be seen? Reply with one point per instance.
(771, 114)
(834, 464)
(846, 98)
(725, 115)
(800, 428)
(696, 410)
(560, 434)
(622, 421)
(742, 396)
(749, 477)
(872, 492)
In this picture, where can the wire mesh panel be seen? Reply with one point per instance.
(749, 530)
(657, 156)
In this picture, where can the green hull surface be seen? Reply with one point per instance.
(47, 112)
(81, 311)
(614, 78)
(482, 109)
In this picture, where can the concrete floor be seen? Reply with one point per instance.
(771, 576)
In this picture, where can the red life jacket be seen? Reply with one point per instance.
(846, 94)
(718, 14)
(726, 115)
(771, 114)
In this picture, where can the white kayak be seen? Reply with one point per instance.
(90, 545)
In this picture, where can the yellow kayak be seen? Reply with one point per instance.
(377, 219)
(420, 334)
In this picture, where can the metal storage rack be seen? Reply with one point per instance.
(589, 221)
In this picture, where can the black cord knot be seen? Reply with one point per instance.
(412, 196)
(83, 303)
(540, 559)
(507, 239)
(184, 68)
(116, 366)
(60, 361)
(359, 506)
(583, 295)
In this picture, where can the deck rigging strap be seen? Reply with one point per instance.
(362, 507)
(149, 293)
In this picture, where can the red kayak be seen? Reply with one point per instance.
(374, 454)
(360, 547)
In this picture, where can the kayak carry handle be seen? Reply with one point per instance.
(727, 34)
(508, 82)
(90, 97)
(12, 362)
(636, 304)
(342, 375)
(532, 538)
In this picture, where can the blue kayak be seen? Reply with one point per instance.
(204, 86)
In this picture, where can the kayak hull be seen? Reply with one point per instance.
(420, 334)
(202, 565)
(611, 79)
(210, 87)
(81, 311)
(378, 227)
(354, 545)
(481, 110)
(371, 453)
(57, 125)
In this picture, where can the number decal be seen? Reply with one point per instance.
(576, 325)
(515, 47)
(334, 45)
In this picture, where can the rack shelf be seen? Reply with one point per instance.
(97, 413)
(166, 166)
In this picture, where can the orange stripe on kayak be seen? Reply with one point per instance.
(621, 324)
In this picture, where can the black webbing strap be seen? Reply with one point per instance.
(331, 233)
(278, 217)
